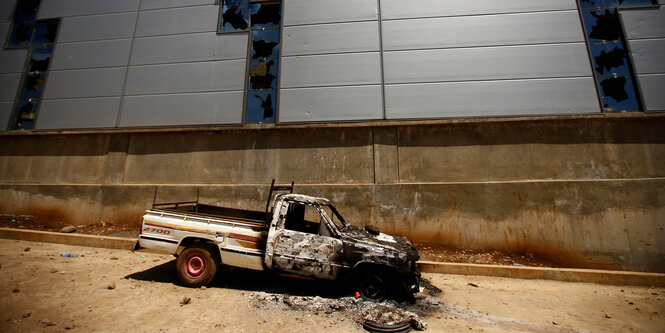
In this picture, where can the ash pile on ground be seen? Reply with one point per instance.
(358, 309)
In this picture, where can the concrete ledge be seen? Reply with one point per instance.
(69, 239)
(545, 273)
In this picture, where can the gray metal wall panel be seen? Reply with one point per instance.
(63, 8)
(6, 109)
(109, 53)
(177, 21)
(78, 113)
(648, 55)
(653, 91)
(183, 109)
(326, 11)
(330, 104)
(6, 10)
(4, 30)
(487, 63)
(9, 86)
(12, 61)
(491, 98)
(187, 77)
(331, 70)
(97, 27)
(99, 82)
(331, 38)
(159, 4)
(644, 23)
(190, 47)
(486, 30)
(397, 9)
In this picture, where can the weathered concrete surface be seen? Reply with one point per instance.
(69, 239)
(584, 191)
(545, 273)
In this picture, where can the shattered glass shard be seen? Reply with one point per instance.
(266, 15)
(235, 17)
(261, 106)
(606, 25)
(32, 86)
(266, 105)
(22, 34)
(607, 60)
(629, 3)
(265, 43)
(598, 3)
(40, 58)
(45, 31)
(263, 49)
(26, 10)
(614, 87)
(263, 74)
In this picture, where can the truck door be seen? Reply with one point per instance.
(304, 244)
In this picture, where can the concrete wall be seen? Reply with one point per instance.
(587, 191)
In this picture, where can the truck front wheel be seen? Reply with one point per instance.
(196, 267)
(373, 286)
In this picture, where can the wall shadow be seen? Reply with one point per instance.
(248, 280)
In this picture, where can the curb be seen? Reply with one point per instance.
(69, 239)
(542, 273)
(547, 273)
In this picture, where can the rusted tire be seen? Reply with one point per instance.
(196, 267)
(373, 286)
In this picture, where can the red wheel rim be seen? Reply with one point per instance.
(195, 265)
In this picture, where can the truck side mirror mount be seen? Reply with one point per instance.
(372, 229)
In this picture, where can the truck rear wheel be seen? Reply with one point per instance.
(196, 267)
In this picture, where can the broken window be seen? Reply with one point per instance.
(334, 216)
(305, 218)
(616, 3)
(235, 16)
(38, 36)
(611, 62)
(262, 105)
(262, 20)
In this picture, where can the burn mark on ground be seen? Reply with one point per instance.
(357, 309)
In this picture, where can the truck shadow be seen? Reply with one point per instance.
(248, 280)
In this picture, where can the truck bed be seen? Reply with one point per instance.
(255, 218)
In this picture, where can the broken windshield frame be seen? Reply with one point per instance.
(339, 223)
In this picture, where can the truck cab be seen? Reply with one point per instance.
(307, 236)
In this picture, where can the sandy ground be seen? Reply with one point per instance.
(102, 290)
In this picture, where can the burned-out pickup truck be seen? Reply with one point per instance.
(297, 234)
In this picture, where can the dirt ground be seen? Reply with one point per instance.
(428, 251)
(102, 290)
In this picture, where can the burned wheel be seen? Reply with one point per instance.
(196, 267)
(373, 286)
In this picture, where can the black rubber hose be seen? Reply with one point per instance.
(374, 327)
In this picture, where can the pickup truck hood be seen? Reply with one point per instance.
(400, 246)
